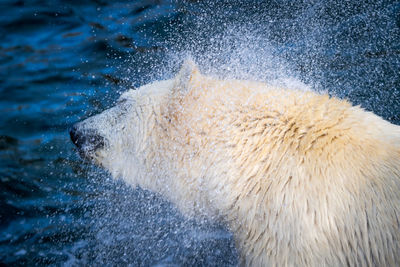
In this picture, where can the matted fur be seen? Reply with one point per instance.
(300, 178)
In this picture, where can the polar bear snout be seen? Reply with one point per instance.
(86, 140)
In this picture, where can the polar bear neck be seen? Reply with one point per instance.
(249, 152)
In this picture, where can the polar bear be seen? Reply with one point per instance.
(300, 178)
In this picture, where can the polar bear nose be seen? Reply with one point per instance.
(86, 140)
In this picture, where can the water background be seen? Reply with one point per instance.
(62, 61)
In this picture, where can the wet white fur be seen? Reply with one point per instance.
(301, 179)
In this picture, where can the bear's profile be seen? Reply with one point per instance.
(300, 178)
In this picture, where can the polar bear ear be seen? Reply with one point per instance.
(187, 74)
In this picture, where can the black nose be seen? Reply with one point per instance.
(87, 140)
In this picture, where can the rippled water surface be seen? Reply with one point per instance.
(62, 61)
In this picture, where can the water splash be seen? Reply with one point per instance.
(62, 62)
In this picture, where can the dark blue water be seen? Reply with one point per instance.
(62, 61)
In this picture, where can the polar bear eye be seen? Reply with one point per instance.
(121, 101)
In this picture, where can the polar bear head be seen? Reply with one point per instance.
(148, 139)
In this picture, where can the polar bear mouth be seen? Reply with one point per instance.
(88, 141)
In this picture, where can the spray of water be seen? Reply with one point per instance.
(293, 48)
